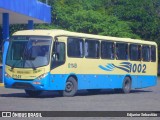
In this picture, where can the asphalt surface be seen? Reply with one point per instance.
(147, 99)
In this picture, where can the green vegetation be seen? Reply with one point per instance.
(123, 18)
(138, 19)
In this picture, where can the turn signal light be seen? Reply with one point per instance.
(7, 75)
(42, 76)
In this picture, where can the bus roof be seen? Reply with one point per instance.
(57, 32)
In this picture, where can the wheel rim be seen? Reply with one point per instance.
(69, 86)
(127, 85)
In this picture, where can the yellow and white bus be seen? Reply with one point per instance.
(60, 60)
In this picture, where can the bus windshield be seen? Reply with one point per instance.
(28, 52)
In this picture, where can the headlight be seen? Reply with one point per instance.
(42, 76)
(7, 75)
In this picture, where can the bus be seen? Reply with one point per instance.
(64, 61)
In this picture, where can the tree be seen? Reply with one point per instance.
(88, 16)
(142, 14)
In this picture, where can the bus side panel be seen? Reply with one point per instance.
(144, 81)
(93, 81)
(89, 81)
(57, 81)
(114, 81)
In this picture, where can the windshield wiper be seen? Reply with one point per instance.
(32, 65)
(17, 62)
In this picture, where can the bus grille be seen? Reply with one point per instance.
(25, 79)
(22, 85)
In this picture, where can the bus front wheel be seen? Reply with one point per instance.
(70, 87)
(126, 85)
(33, 93)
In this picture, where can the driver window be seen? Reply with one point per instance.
(58, 54)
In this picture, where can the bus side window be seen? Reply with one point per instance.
(75, 47)
(107, 50)
(145, 53)
(135, 52)
(153, 53)
(58, 54)
(122, 51)
(92, 48)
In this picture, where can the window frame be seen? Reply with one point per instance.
(55, 64)
(140, 52)
(151, 53)
(142, 58)
(113, 50)
(98, 51)
(79, 39)
(127, 50)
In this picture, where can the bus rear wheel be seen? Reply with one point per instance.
(126, 85)
(70, 87)
(33, 93)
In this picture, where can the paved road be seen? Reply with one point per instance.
(147, 99)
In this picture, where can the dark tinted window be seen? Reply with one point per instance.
(75, 47)
(23, 50)
(153, 53)
(107, 50)
(135, 52)
(145, 53)
(92, 49)
(58, 54)
(121, 51)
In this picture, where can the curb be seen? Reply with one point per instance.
(1, 84)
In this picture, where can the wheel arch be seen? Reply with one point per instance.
(129, 78)
(71, 86)
(72, 75)
(127, 84)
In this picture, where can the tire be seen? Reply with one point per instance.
(126, 85)
(70, 87)
(33, 93)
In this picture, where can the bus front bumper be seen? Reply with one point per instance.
(26, 84)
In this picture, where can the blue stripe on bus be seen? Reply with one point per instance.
(85, 81)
